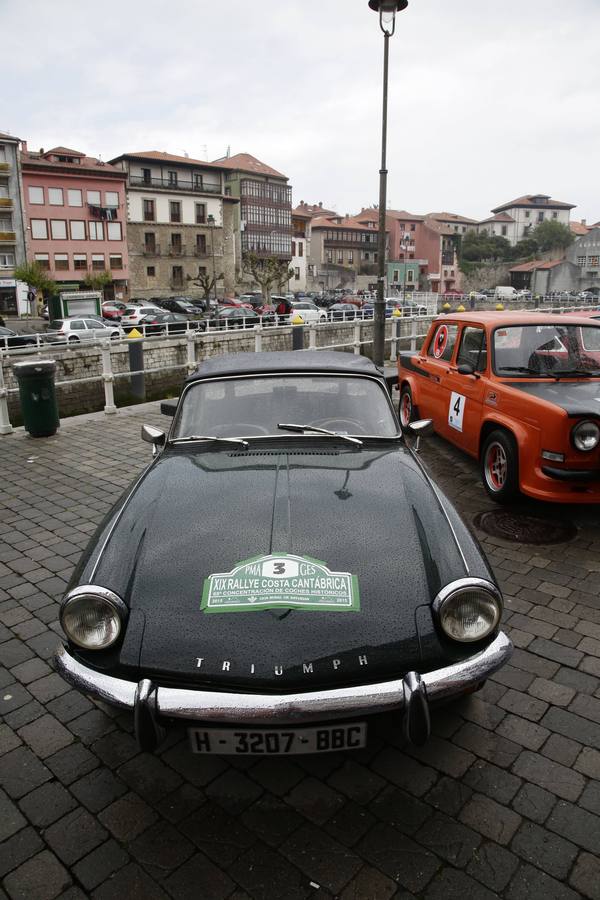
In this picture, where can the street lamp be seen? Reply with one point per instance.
(211, 221)
(387, 10)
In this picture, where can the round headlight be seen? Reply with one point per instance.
(468, 610)
(586, 435)
(92, 617)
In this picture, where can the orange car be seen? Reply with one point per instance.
(518, 391)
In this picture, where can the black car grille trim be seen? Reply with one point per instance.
(245, 453)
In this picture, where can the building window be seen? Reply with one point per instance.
(147, 176)
(340, 258)
(300, 249)
(228, 192)
(58, 229)
(297, 274)
(367, 256)
(80, 261)
(350, 256)
(149, 209)
(96, 231)
(116, 261)
(581, 260)
(201, 243)
(7, 260)
(114, 231)
(111, 198)
(293, 248)
(177, 276)
(77, 230)
(197, 181)
(39, 229)
(593, 262)
(61, 261)
(172, 178)
(200, 213)
(176, 243)
(413, 227)
(74, 197)
(410, 277)
(527, 214)
(555, 215)
(150, 271)
(93, 197)
(6, 223)
(55, 197)
(174, 211)
(396, 275)
(3, 153)
(36, 195)
(43, 260)
(540, 217)
(150, 242)
(98, 262)
(329, 256)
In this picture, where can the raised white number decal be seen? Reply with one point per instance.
(456, 411)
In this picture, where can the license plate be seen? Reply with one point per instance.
(278, 742)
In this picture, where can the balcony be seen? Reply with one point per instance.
(176, 250)
(5, 167)
(180, 185)
(201, 252)
(151, 250)
(6, 203)
(7, 237)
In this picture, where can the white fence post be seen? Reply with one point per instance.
(356, 331)
(108, 379)
(257, 338)
(413, 335)
(191, 351)
(5, 426)
(312, 336)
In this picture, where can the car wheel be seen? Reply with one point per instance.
(500, 466)
(114, 336)
(73, 339)
(407, 411)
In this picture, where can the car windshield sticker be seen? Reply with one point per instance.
(456, 411)
(280, 581)
(441, 339)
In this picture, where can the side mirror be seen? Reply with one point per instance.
(420, 429)
(169, 407)
(465, 369)
(153, 436)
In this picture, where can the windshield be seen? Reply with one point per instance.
(547, 350)
(251, 407)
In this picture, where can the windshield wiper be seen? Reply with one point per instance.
(526, 369)
(303, 428)
(190, 438)
(588, 373)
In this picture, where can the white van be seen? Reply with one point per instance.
(503, 292)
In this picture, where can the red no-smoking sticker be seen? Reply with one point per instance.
(441, 339)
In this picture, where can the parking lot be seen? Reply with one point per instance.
(504, 801)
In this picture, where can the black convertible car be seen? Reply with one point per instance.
(283, 570)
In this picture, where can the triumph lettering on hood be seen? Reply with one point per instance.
(281, 580)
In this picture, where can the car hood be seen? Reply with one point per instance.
(577, 398)
(371, 513)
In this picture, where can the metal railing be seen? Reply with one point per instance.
(179, 185)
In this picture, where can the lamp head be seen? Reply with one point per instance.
(387, 10)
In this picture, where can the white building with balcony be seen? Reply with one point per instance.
(13, 294)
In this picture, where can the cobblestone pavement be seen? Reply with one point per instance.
(503, 801)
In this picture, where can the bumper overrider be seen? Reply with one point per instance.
(411, 695)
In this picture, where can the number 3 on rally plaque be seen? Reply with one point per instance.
(456, 411)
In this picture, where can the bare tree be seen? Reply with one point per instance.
(267, 272)
(206, 283)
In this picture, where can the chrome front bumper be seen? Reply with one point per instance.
(274, 709)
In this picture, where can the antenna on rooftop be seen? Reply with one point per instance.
(228, 154)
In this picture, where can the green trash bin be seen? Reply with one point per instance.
(38, 397)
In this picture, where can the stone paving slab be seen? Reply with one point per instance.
(503, 802)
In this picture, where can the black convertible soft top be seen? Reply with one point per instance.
(290, 361)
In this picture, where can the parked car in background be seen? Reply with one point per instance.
(519, 392)
(75, 329)
(165, 322)
(308, 311)
(343, 312)
(9, 339)
(113, 310)
(244, 301)
(236, 317)
(132, 314)
(44, 313)
(505, 292)
(178, 305)
(452, 294)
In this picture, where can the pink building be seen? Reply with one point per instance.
(75, 210)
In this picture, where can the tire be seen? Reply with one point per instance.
(500, 466)
(73, 339)
(407, 411)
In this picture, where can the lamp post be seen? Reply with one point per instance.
(211, 221)
(387, 10)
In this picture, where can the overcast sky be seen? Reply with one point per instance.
(488, 100)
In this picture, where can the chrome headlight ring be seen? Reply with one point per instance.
(469, 609)
(585, 435)
(93, 617)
